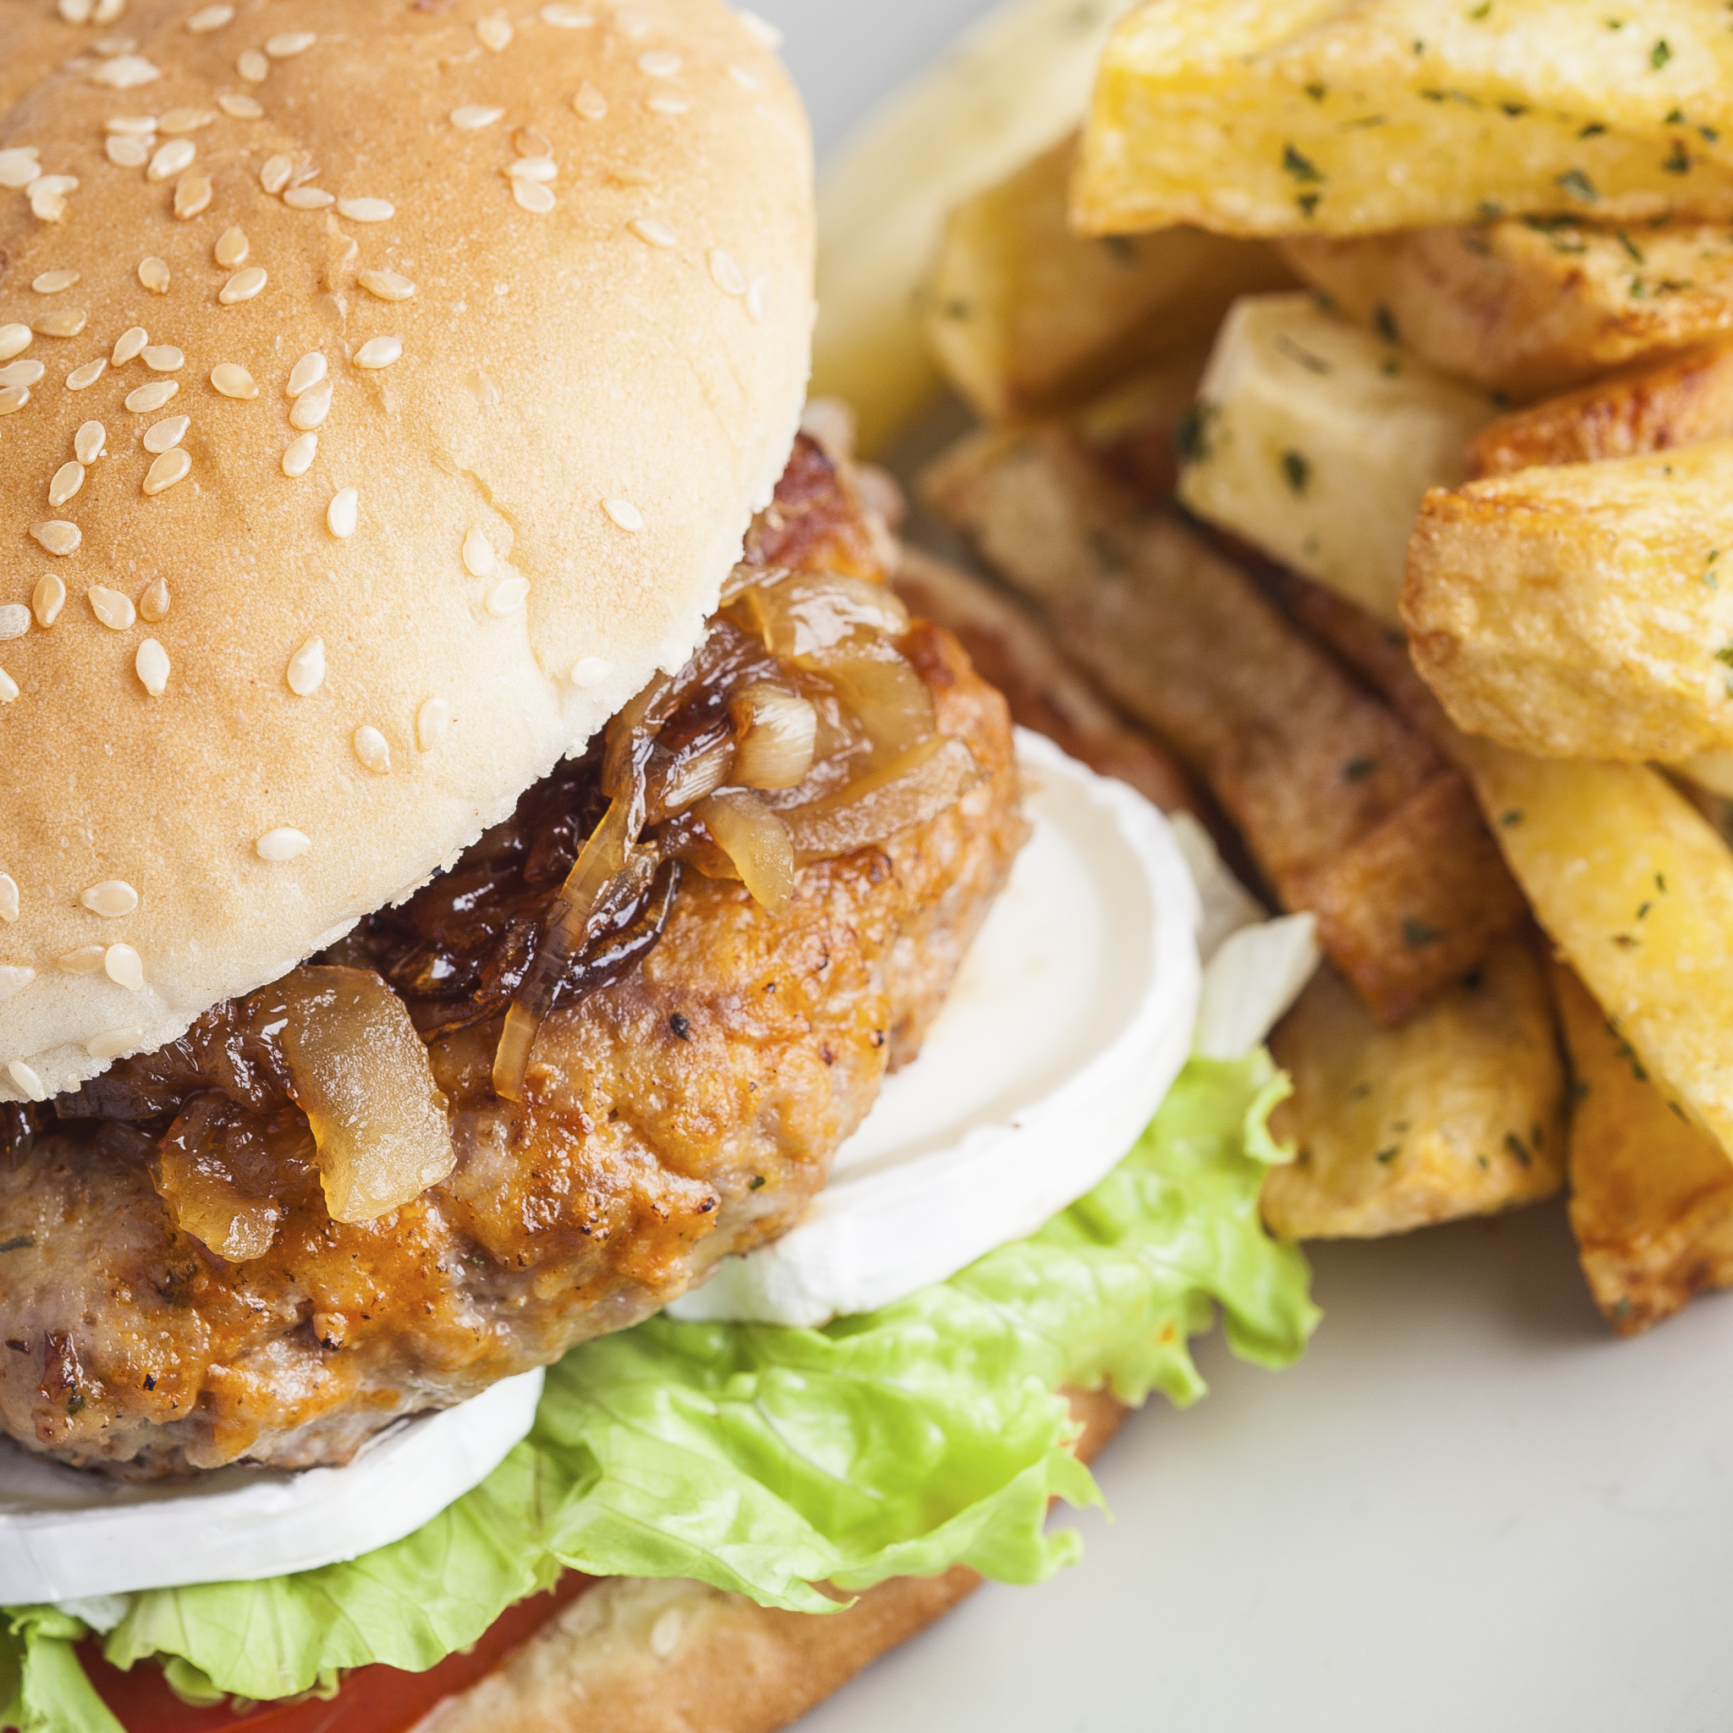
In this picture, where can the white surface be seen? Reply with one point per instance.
(68, 1535)
(1069, 1019)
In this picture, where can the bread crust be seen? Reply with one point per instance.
(553, 361)
(647, 1655)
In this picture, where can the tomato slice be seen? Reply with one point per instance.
(374, 1699)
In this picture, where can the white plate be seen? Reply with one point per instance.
(1467, 1508)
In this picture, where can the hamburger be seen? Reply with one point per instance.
(478, 831)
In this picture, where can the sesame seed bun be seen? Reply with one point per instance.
(558, 270)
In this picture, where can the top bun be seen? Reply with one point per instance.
(554, 398)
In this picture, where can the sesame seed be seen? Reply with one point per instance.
(114, 1043)
(153, 601)
(311, 407)
(473, 116)
(624, 513)
(590, 102)
(652, 231)
(386, 285)
(172, 467)
(366, 210)
(19, 166)
(729, 278)
(229, 379)
(306, 670)
(761, 29)
(53, 184)
(658, 63)
(531, 141)
(182, 120)
(123, 966)
(90, 442)
(48, 598)
(81, 378)
(192, 194)
(305, 374)
(534, 168)
(68, 479)
(125, 72)
(67, 324)
(47, 207)
(242, 286)
(282, 844)
(52, 282)
(9, 897)
(56, 536)
(478, 554)
(14, 340)
(13, 981)
(126, 152)
(289, 44)
(163, 358)
(32, 1086)
(240, 107)
(166, 434)
(755, 294)
(274, 173)
(374, 751)
(142, 124)
(298, 457)
(667, 104)
(746, 80)
(432, 722)
(129, 345)
(113, 899)
(74, 11)
(107, 11)
(153, 273)
(13, 398)
(8, 687)
(507, 596)
(532, 195)
(22, 373)
(309, 199)
(14, 621)
(151, 663)
(253, 66)
(112, 608)
(495, 33)
(379, 352)
(343, 514)
(86, 960)
(231, 249)
(171, 159)
(209, 18)
(567, 17)
(153, 396)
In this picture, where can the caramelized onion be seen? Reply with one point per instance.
(687, 777)
(911, 789)
(778, 733)
(203, 1174)
(757, 842)
(811, 612)
(885, 694)
(359, 1072)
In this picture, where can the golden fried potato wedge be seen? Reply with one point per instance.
(1579, 612)
(1680, 401)
(1026, 318)
(1346, 810)
(1460, 1112)
(1635, 888)
(1011, 650)
(1272, 117)
(1315, 443)
(1651, 1194)
(1532, 306)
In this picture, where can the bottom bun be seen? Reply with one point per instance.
(667, 1655)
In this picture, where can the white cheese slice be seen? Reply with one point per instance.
(69, 1535)
(1067, 1023)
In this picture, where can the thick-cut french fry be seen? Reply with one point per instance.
(1346, 810)
(1315, 443)
(1680, 401)
(1636, 890)
(1532, 306)
(1270, 117)
(1459, 1112)
(1651, 1194)
(1026, 318)
(1011, 86)
(1579, 611)
(1010, 649)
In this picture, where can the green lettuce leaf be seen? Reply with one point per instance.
(766, 1460)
